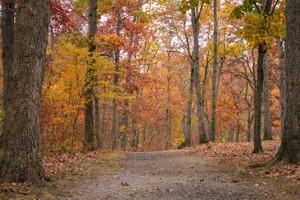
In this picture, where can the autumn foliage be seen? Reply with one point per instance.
(154, 74)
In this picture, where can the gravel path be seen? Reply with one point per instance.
(168, 175)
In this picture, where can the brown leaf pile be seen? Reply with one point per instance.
(21, 188)
(54, 164)
(241, 150)
(241, 154)
(67, 162)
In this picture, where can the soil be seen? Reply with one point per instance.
(168, 175)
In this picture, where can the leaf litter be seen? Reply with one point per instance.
(241, 154)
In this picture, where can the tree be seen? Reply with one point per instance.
(262, 50)
(266, 11)
(115, 129)
(89, 91)
(195, 63)
(21, 157)
(266, 101)
(289, 150)
(281, 55)
(214, 75)
(196, 8)
(260, 31)
(63, 101)
(134, 27)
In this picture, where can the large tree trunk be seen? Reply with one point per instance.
(90, 79)
(7, 34)
(258, 100)
(115, 131)
(21, 159)
(266, 100)
(7, 40)
(196, 66)
(289, 150)
(214, 77)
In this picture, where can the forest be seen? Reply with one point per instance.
(137, 82)
(145, 75)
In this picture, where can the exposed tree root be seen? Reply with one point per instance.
(277, 159)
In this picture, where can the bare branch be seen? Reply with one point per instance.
(256, 6)
(273, 9)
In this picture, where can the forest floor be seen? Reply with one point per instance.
(212, 171)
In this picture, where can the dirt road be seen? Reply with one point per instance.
(167, 175)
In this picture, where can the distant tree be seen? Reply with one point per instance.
(261, 27)
(21, 155)
(195, 7)
(214, 75)
(116, 80)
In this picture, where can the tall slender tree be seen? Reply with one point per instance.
(115, 128)
(262, 51)
(266, 101)
(89, 90)
(258, 99)
(195, 16)
(281, 55)
(21, 157)
(262, 35)
(168, 120)
(187, 120)
(214, 75)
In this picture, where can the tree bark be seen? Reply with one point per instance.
(266, 101)
(188, 118)
(249, 117)
(89, 92)
(8, 8)
(262, 50)
(196, 66)
(214, 76)
(258, 100)
(289, 150)
(98, 133)
(125, 120)
(21, 160)
(281, 56)
(7, 34)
